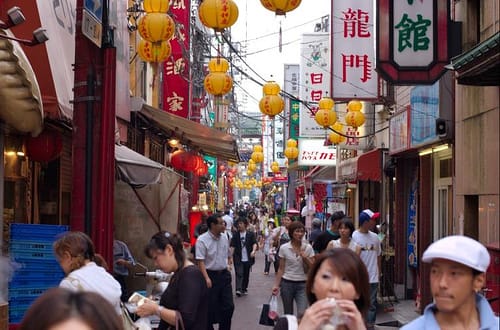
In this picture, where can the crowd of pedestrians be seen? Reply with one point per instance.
(330, 276)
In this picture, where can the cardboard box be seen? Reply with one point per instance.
(4, 316)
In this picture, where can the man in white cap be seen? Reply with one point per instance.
(370, 254)
(458, 266)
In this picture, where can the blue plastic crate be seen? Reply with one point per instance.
(18, 283)
(29, 264)
(38, 233)
(34, 275)
(44, 255)
(21, 301)
(34, 291)
(26, 245)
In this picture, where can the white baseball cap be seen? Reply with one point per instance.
(461, 249)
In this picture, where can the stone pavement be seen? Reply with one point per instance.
(248, 308)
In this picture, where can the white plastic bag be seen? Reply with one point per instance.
(273, 308)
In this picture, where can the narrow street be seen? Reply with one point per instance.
(247, 308)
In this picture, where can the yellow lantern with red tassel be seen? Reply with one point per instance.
(271, 104)
(257, 157)
(275, 167)
(218, 82)
(154, 51)
(325, 116)
(218, 14)
(155, 27)
(291, 152)
(280, 7)
(355, 118)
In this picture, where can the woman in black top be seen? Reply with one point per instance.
(187, 290)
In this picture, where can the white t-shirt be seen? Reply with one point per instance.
(336, 244)
(294, 267)
(370, 250)
(95, 279)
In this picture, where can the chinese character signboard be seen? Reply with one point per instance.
(313, 152)
(412, 40)
(353, 50)
(314, 80)
(176, 68)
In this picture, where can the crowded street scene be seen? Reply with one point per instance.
(229, 164)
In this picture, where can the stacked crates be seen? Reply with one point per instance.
(30, 247)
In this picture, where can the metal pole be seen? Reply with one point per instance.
(89, 133)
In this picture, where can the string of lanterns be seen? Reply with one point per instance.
(156, 28)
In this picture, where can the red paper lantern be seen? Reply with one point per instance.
(202, 170)
(176, 159)
(45, 147)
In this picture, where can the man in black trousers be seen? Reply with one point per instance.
(244, 246)
(213, 255)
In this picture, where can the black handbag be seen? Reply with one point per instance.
(264, 316)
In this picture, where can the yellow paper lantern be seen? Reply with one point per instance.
(271, 105)
(325, 117)
(280, 7)
(156, 6)
(334, 137)
(271, 88)
(153, 51)
(326, 103)
(258, 148)
(257, 157)
(218, 14)
(218, 64)
(355, 118)
(218, 83)
(291, 152)
(275, 168)
(252, 166)
(156, 27)
(291, 143)
(354, 105)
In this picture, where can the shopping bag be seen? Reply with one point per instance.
(273, 308)
(264, 316)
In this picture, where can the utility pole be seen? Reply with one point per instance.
(93, 135)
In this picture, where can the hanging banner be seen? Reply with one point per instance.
(412, 40)
(314, 80)
(353, 50)
(424, 102)
(176, 78)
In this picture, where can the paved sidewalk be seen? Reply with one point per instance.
(247, 308)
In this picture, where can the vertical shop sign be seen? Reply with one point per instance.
(314, 80)
(412, 40)
(412, 252)
(353, 50)
(176, 68)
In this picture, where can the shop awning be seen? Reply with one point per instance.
(370, 166)
(479, 66)
(20, 99)
(134, 168)
(197, 136)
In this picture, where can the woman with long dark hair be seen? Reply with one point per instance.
(187, 291)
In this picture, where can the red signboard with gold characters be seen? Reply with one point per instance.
(176, 67)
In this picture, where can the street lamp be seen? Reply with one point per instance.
(15, 17)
